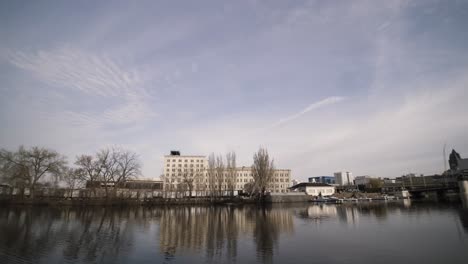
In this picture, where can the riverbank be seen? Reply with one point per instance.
(124, 202)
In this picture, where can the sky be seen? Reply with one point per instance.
(371, 87)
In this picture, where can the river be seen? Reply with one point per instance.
(374, 232)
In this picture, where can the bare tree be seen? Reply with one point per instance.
(200, 180)
(249, 188)
(231, 172)
(99, 170)
(212, 175)
(71, 177)
(127, 166)
(109, 169)
(220, 170)
(29, 166)
(88, 171)
(262, 170)
(189, 181)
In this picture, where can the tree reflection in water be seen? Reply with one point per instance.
(213, 234)
(216, 230)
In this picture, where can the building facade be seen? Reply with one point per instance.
(362, 180)
(182, 169)
(344, 178)
(323, 179)
(314, 189)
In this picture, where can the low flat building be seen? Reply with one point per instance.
(314, 189)
(143, 184)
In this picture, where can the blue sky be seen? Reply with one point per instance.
(372, 87)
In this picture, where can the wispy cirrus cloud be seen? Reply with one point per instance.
(118, 90)
(314, 106)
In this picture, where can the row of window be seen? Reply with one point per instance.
(226, 187)
(186, 160)
(225, 175)
(185, 165)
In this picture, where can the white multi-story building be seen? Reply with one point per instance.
(344, 178)
(178, 168)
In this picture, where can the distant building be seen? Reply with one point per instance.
(344, 178)
(128, 184)
(388, 181)
(294, 182)
(314, 189)
(322, 179)
(362, 180)
(178, 168)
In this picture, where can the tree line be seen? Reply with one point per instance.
(221, 175)
(38, 166)
(109, 168)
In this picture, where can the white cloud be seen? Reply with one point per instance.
(115, 88)
(322, 103)
(401, 135)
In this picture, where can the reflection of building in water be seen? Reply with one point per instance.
(407, 203)
(348, 214)
(317, 211)
(463, 213)
(216, 229)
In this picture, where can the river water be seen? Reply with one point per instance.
(375, 232)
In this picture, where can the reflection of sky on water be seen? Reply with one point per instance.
(245, 234)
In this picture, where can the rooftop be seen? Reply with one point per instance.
(310, 184)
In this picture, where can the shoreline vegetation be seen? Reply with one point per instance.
(40, 175)
(123, 202)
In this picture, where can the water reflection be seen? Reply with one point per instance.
(223, 234)
(215, 230)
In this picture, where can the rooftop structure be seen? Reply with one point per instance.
(315, 189)
(323, 179)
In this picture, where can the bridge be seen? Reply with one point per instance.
(440, 189)
(456, 184)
